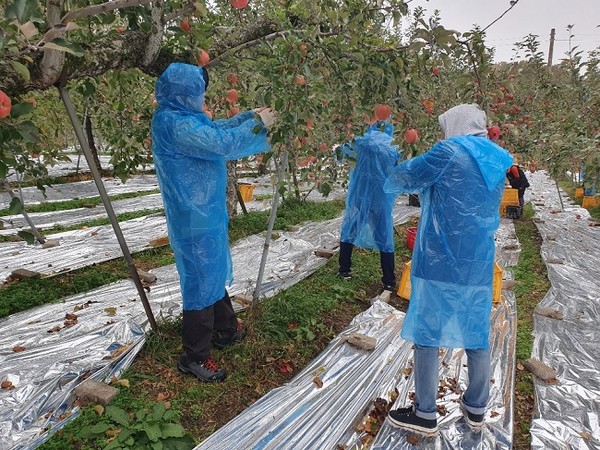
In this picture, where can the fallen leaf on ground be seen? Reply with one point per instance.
(99, 409)
(6, 384)
(18, 348)
(110, 311)
(586, 435)
(318, 382)
(56, 329)
(494, 414)
(162, 397)
(122, 382)
(70, 316)
(113, 432)
(520, 366)
(413, 439)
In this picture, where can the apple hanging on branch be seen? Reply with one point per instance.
(382, 112)
(5, 105)
(411, 136)
(239, 4)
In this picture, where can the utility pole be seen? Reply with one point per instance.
(551, 49)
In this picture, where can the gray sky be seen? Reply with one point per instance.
(528, 16)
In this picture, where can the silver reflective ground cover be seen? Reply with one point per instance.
(301, 415)
(567, 414)
(84, 247)
(45, 220)
(80, 248)
(110, 331)
(76, 163)
(82, 189)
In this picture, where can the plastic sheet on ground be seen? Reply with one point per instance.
(567, 414)
(82, 189)
(84, 247)
(110, 327)
(80, 248)
(45, 220)
(303, 415)
(76, 164)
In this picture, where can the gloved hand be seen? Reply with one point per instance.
(267, 116)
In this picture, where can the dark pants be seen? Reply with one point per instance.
(522, 197)
(198, 326)
(386, 259)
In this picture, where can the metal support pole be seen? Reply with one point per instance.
(272, 217)
(64, 95)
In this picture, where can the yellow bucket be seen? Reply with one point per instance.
(247, 190)
(591, 201)
(404, 288)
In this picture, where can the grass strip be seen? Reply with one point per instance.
(532, 284)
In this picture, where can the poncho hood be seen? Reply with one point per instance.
(470, 120)
(181, 86)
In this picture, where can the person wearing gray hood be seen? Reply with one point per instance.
(460, 182)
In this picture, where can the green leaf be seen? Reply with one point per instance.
(15, 206)
(124, 435)
(157, 445)
(114, 444)
(152, 431)
(64, 46)
(22, 10)
(172, 430)
(100, 428)
(29, 237)
(158, 409)
(21, 109)
(3, 170)
(21, 70)
(117, 415)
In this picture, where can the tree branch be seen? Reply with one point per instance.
(102, 8)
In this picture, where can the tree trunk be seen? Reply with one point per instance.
(91, 143)
(231, 186)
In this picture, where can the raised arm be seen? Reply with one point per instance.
(194, 137)
(417, 174)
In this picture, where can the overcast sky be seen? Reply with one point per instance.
(528, 16)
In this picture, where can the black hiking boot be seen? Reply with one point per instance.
(224, 340)
(206, 370)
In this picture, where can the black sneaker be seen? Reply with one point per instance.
(206, 371)
(475, 421)
(389, 287)
(224, 340)
(406, 419)
(344, 275)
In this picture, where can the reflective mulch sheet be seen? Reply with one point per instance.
(45, 220)
(567, 414)
(303, 414)
(76, 164)
(82, 189)
(80, 248)
(58, 352)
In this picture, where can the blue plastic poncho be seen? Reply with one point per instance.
(190, 153)
(368, 221)
(460, 183)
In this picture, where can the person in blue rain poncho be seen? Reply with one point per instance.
(190, 154)
(368, 221)
(460, 183)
